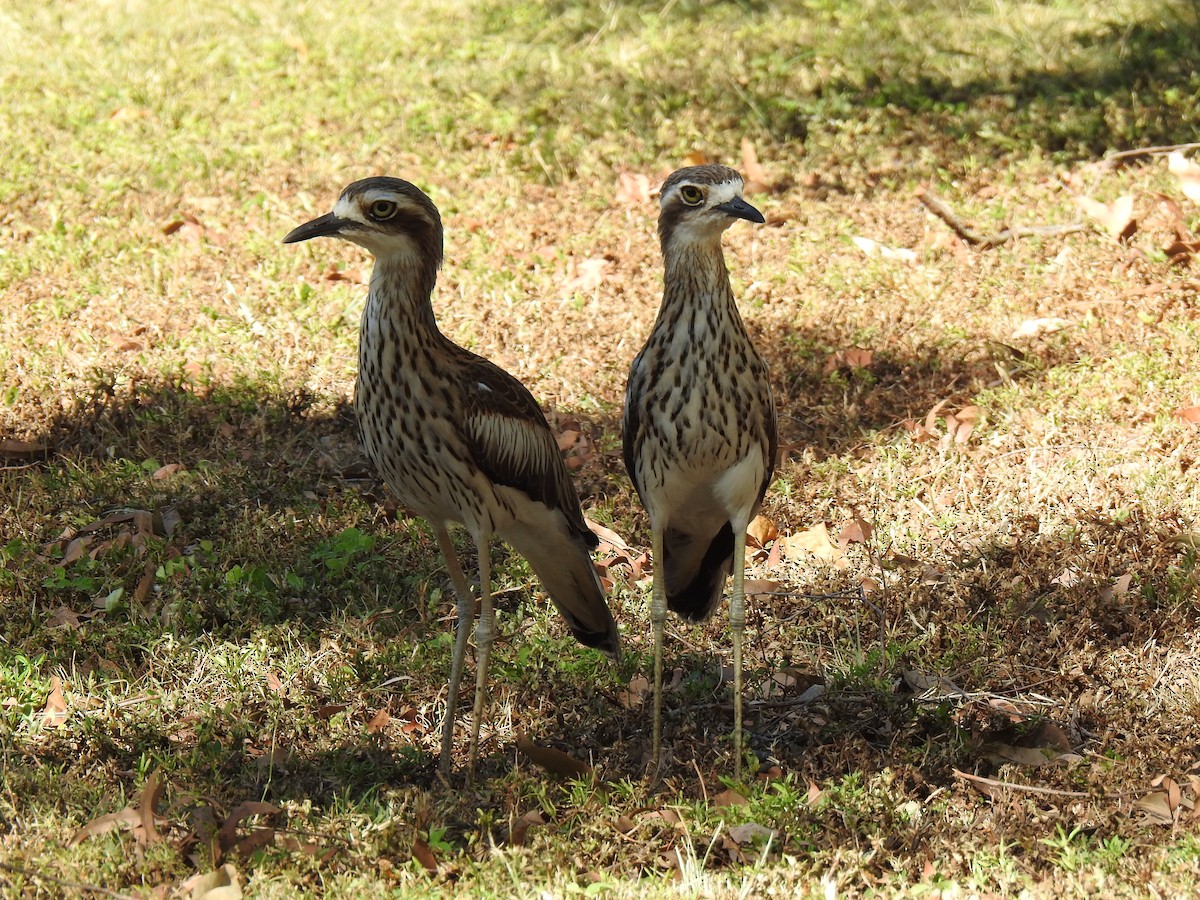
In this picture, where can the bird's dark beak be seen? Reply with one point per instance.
(740, 209)
(327, 225)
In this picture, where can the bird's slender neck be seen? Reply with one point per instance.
(696, 284)
(400, 292)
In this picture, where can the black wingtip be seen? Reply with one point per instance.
(606, 641)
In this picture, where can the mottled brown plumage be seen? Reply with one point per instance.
(456, 437)
(699, 426)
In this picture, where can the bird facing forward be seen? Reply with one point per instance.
(455, 437)
(699, 427)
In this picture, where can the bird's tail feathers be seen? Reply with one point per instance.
(564, 566)
(695, 571)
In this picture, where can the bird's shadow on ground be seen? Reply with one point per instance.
(263, 454)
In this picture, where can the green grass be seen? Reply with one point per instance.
(244, 632)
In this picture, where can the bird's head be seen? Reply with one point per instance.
(698, 203)
(390, 217)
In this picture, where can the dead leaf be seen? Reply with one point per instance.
(74, 551)
(145, 583)
(187, 225)
(297, 44)
(606, 534)
(221, 884)
(147, 810)
(931, 687)
(761, 586)
(960, 425)
(857, 531)
(814, 541)
(378, 722)
(1188, 174)
(1180, 252)
(520, 829)
(553, 761)
(756, 177)
(749, 832)
(350, 276)
(775, 557)
(667, 816)
(64, 617)
(126, 818)
(1189, 414)
(166, 471)
(730, 797)
(165, 521)
(635, 696)
(814, 792)
(849, 357)
(695, 158)
(633, 188)
(1159, 807)
(128, 114)
(423, 854)
(624, 824)
(1118, 588)
(228, 835)
(1116, 217)
(329, 710)
(1068, 577)
(874, 248)
(585, 275)
(1034, 327)
(1032, 757)
(762, 531)
(256, 839)
(567, 439)
(55, 711)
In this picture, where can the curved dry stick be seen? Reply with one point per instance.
(977, 239)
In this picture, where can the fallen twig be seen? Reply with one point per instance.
(1052, 792)
(1109, 162)
(1149, 151)
(938, 207)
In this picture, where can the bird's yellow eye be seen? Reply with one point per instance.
(383, 209)
(691, 195)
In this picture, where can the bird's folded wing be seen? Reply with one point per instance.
(512, 444)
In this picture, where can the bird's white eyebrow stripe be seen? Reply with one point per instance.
(724, 192)
(352, 207)
(719, 193)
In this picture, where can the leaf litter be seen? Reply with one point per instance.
(934, 582)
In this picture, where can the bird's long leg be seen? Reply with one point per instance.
(737, 624)
(465, 614)
(484, 632)
(658, 618)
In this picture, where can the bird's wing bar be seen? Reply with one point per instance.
(511, 442)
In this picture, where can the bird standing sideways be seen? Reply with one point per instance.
(699, 428)
(455, 437)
